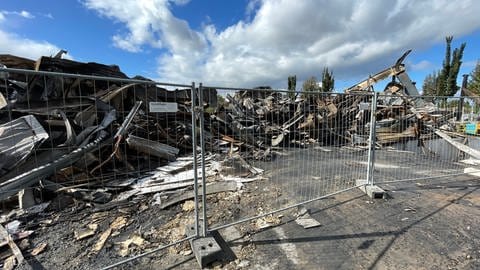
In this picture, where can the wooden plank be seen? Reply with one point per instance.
(468, 150)
(176, 166)
(15, 250)
(101, 241)
(158, 188)
(243, 179)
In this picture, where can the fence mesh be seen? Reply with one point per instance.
(294, 149)
(111, 163)
(415, 145)
(100, 156)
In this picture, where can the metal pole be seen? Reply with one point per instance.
(202, 145)
(460, 103)
(194, 147)
(371, 140)
(90, 77)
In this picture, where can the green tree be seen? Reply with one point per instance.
(447, 79)
(292, 85)
(220, 101)
(328, 81)
(311, 85)
(430, 84)
(220, 104)
(474, 82)
(327, 84)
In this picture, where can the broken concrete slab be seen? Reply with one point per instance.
(305, 220)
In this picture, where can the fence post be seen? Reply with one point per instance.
(195, 165)
(371, 140)
(461, 101)
(203, 153)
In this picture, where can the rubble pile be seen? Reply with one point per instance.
(264, 120)
(67, 132)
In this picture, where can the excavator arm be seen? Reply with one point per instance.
(398, 71)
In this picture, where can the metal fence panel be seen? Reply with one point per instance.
(417, 144)
(295, 149)
(106, 153)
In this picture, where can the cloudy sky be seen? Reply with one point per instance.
(244, 43)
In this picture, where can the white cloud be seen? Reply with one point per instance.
(181, 2)
(47, 15)
(16, 45)
(470, 64)
(23, 13)
(286, 37)
(12, 43)
(252, 7)
(26, 14)
(423, 65)
(151, 23)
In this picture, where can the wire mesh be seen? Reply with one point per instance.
(293, 148)
(103, 156)
(116, 159)
(418, 143)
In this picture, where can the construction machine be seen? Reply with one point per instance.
(397, 71)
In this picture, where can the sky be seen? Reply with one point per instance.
(244, 43)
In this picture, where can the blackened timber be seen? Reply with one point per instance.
(74, 67)
(152, 148)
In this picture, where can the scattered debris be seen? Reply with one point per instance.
(5, 237)
(84, 117)
(119, 222)
(211, 188)
(410, 209)
(39, 249)
(305, 220)
(267, 221)
(101, 241)
(18, 139)
(124, 246)
(468, 150)
(85, 232)
(9, 263)
(188, 206)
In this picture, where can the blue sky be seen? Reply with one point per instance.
(244, 43)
